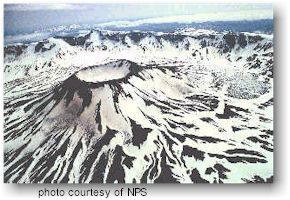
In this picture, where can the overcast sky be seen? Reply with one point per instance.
(31, 17)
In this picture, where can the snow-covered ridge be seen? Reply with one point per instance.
(158, 39)
(188, 47)
(190, 106)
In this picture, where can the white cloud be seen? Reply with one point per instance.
(32, 7)
(200, 17)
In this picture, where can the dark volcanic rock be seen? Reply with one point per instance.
(40, 47)
(242, 40)
(15, 50)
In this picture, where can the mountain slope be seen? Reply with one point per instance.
(140, 107)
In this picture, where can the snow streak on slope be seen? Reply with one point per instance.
(140, 107)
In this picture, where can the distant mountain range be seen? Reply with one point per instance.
(264, 26)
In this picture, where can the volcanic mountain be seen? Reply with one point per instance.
(139, 107)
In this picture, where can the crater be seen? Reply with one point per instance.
(107, 72)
